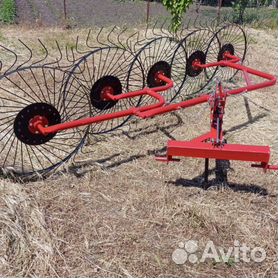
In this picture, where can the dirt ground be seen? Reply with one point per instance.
(122, 213)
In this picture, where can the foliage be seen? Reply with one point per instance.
(239, 7)
(177, 8)
(8, 11)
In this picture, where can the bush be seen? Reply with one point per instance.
(239, 7)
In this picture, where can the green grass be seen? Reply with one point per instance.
(262, 18)
(7, 11)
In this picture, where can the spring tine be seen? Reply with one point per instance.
(67, 55)
(141, 42)
(58, 60)
(119, 38)
(155, 27)
(29, 50)
(73, 55)
(15, 57)
(211, 26)
(88, 38)
(111, 32)
(76, 45)
(46, 54)
(146, 32)
(129, 41)
(150, 29)
(162, 29)
(110, 43)
(98, 36)
(182, 31)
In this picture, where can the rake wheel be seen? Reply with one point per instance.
(194, 48)
(26, 94)
(157, 57)
(102, 70)
(230, 38)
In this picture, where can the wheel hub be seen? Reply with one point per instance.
(225, 49)
(26, 122)
(158, 68)
(99, 93)
(33, 123)
(106, 91)
(192, 69)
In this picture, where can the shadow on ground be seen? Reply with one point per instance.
(198, 182)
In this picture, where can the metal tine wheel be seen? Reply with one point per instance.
(102, 70)
(230, 38)
(26, 94)
(194, 48)
(156, 57)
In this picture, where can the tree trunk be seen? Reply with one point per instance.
(198, 5)
(148, 11)
(219, 10)
(65, 10)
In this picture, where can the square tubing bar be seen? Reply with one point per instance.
(223, 152)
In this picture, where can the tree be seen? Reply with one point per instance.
(177, 8)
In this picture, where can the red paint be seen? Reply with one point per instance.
(106, 91)
(210, 145)
(33, 123)
(203, 149)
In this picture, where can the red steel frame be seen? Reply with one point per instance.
(210, 145)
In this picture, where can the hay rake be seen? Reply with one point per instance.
(49, 107)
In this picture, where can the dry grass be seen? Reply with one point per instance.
(123, 213)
